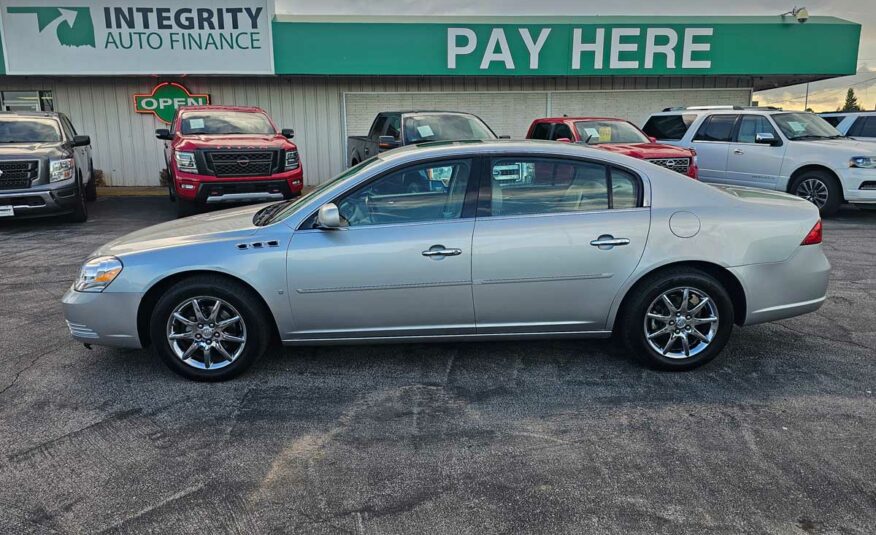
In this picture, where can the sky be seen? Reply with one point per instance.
(823, 96)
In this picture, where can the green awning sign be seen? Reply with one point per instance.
(166, 98)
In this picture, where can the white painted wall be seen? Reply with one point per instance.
(125, 148)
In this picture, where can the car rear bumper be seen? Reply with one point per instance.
(785, 289)
(39, 202)
(107, 318)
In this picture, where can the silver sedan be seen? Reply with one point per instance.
(502, 240)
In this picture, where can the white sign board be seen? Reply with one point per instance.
(137, 37)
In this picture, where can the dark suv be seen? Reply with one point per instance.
(45, 167)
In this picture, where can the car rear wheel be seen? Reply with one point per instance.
(678, 320)
(819, 188)
(185, 208)
(209, 328)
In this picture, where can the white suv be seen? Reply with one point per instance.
(797, 152)
(857, 124)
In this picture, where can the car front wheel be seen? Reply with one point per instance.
(820, 189)
(678, 320)
(209, 328)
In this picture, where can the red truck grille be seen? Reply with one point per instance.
(16, 174)
(249, 163)
(681, 165)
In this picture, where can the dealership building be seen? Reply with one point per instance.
(119, 68)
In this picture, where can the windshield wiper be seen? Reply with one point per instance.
(264, 215)
(808, 136)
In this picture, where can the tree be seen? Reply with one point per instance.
(851, 102)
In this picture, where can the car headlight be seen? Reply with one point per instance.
(97, 273)
(291, 159)
(864, 162)
(62, 169)
(185, 161)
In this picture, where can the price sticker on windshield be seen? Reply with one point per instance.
(796, 126)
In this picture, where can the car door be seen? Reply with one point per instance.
(400, 267)
(712, 143)
(80, 154)
(552, 249)
(755, 164)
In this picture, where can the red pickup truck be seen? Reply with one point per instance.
(222, 154)
(615, 135)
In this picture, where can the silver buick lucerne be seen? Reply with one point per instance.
(504, 239)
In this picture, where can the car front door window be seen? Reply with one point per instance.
(427, 192)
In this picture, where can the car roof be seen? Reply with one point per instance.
(425, 112)
(725, 111)
(218, 107)
(845, 113)
(30, 114)
(573, 119)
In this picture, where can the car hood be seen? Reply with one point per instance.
(232, 142)
(852, 147)
(31, 150)
(223, 225)
(645, 151)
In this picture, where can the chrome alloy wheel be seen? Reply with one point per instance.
(206, 333)
(814, 191)
(681, 322)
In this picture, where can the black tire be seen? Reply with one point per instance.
(802, 185)
(633, 320)
(91, 187)
(186, 208)
(354, 163)
(80, 210)
(171, 193)
(244, 302)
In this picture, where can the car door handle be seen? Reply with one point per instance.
(738, 151)
(607, 241)
(442, 252)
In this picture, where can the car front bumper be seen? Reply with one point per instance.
(786, 289)
(859, 185)
(39, 202)
(106, 318)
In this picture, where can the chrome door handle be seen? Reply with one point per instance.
(738, 151)
(442, 252)
(607, 241)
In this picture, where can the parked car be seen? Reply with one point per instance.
(616, 135)
(796, 152)
(45, 167)
(667, 263)
(222, 154)
(859, 125)
(393, 129)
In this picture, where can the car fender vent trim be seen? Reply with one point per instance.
(258, 245)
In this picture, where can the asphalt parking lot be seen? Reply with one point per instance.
(559, 437)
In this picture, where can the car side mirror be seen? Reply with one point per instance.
(288, 133)
(652, 139)
(81, 141)
(163, 133)
(328, 217)
(563, 140)
(766, 138)
(387, 142)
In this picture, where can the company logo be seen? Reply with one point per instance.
(243, 162)
(72, 25)
(166, 98)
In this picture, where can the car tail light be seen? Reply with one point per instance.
(693, 170)
(814, 236)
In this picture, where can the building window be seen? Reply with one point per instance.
(26, 101)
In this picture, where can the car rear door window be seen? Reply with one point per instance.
(541, 131)
(562, 131)
(425, 192)
(625, 191)
(669, 127)
(716, 128)
(751, 125)
(524, 186)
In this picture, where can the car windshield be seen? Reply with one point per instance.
(29, 130)
(226, 122)
(799, 126)
(436, 127)
(283, 209)
(601, 132)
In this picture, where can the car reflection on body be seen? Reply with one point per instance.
(580, 243)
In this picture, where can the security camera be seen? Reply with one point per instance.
(802, 15)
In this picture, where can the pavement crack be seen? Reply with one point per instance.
(815, 335)
(26, 368)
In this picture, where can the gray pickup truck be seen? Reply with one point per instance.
(45, 167)
(392, 129)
